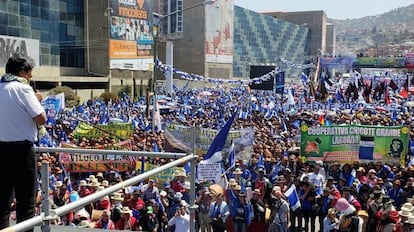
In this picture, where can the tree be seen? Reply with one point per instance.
(108, 96)
(71, 99)
(124, 90)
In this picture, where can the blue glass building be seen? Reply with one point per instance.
(57, 24)
(262, 40)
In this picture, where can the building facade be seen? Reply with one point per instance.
(76, 46)
(316, 21)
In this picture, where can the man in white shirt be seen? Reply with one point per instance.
(181, 220)
(317, 179)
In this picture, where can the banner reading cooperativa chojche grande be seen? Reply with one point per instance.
(354, 142)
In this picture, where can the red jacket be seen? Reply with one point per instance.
(132, 224)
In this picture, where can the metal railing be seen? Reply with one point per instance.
(49, 214)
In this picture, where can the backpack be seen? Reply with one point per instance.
(348, 223)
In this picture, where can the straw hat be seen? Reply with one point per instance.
(238, 187)
(83, 183)
(105, 183)
(100, 174)
(256, 191)
(126, 209)
(405, 212)
(95, 183)
(237, 171)
(187, 185)
(408, 206)
(117, 197)
(232, 182)
(58, 184)
(410, 220)
(91, 178)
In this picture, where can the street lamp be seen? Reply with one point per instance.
(155, 49)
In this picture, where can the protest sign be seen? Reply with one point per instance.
(354, 142)
(208, 171)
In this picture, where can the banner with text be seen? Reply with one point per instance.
(354, 142)
(120, 130)
(182, 136)
(131, 39)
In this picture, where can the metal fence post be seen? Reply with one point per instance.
(192, 183)
(45, 196)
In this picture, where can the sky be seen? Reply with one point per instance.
(335, 9)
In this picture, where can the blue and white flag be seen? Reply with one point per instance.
(304, 78)
(293, 197)
(213, 154)
(351, 178)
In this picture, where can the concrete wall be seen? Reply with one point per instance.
(330, 39)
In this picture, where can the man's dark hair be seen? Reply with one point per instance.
(17, 63)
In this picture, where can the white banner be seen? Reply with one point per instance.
(208, 171)
(26, 47)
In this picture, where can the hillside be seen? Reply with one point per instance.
(391, 33)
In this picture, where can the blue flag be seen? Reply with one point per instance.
(293, 197)
(351, 178)
(213, 154)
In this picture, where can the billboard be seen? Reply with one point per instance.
(354, 142)
(131, 38)
(26, 47)
(219, 32)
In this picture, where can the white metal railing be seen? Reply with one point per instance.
(48, 214)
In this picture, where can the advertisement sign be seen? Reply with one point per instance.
(219, 32)
(354, 142)
(26, 47)
(131, 39)
(93, 163)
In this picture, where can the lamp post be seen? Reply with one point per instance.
(155, 49)
(169, 81)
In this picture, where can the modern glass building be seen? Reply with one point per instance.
(56, 24)
(262, 40)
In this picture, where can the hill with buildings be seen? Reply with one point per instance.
(388, 34)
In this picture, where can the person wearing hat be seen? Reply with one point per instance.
(347, 194)
(317, 179)
(239, 179)
(169, 191)
(136, 201)
(396, 194)
(219, 211)
(240, 212)
(60, 195)
(330, 221)
(127, 221)
(116, 207)
(105, 222)
(280, 220)
(263, 184)
(348, 221)
(177, 183)
(150, 191)
(149, 221)
(387, 217)
(259, 212)
(307, 196)
(84, 188)
(203, 201)
(104, 203)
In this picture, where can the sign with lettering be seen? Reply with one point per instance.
(208, 171)
(131, 39)
(354, 142)
(94, 163)
(121, 130)
(26, 47)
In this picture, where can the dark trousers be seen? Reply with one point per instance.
(310, 217)
(17, 179)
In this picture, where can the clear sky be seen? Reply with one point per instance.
(335, 9)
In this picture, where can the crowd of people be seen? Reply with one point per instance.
(258, 193)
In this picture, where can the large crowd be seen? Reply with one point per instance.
(254, 198)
